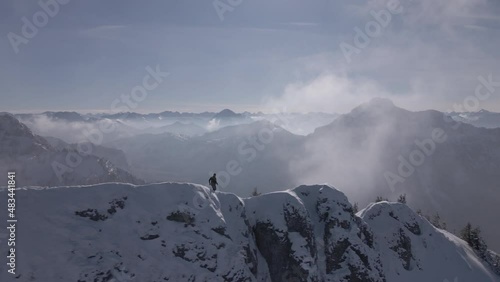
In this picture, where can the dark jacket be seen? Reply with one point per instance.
(213, 181)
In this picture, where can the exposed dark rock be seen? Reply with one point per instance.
(300, 224)
(221, 230)
(95, 215)
(117, 204)
(184, 217)
(413, 228)
(277, 250)
(150, 237)
(92, 214)
(335, 252)
(403, 248)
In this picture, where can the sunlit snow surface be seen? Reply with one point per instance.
(185, 232)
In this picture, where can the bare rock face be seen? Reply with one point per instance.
(311, 234)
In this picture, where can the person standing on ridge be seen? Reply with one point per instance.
(213, 182)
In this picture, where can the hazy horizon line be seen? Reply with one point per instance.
(265, 112)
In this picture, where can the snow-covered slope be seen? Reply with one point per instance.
(482, 118)
(311, 234)
(184, 232)
(17, 139)
(38, 163)
(417, 250)
(117, 157)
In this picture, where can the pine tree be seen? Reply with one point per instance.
(255, 193)
(477, 242)
(466, 233)
(402, 199)
(436, 221)
(355, 208)
(444, 226)
(380, 199)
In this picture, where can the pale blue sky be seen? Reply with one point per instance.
(263, 54)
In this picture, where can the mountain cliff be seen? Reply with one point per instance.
(185, 232)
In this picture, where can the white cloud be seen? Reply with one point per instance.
(429, 57)
(328, 92)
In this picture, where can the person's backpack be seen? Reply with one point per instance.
(211, 181)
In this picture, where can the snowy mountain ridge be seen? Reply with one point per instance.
(39, 163)
(482, 118)
(185, 232)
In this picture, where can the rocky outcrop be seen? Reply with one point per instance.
(311, 234)
(185, 232)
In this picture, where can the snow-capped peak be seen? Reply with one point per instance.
(186, 232)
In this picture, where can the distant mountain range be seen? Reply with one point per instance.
(38, 163)
(442, 165)
(69, 126)
(117, 157)
(156, 157)
(362, 152)
(482, 118)
(228, 114)
(183, 128)
(378, 149)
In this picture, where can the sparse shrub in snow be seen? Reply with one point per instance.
(355, 208)
(255, 192)
(402, 199)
